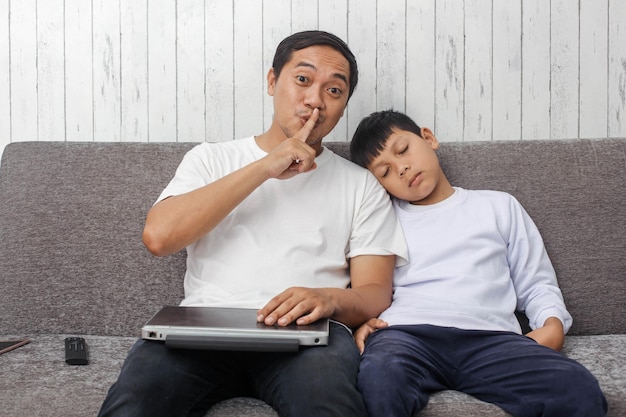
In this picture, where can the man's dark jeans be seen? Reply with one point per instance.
(316, 381)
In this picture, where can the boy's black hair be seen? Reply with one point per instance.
(373, 131)
(308, 38)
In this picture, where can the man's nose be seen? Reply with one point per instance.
(403, 169)
(313, 99)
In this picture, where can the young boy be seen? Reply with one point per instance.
(474, 258)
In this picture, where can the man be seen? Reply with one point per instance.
(275, 222)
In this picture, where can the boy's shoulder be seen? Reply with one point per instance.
(499, 201)
(491, 194)
(487, 193)
(493, 198)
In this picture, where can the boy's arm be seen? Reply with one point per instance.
(368, 296)
(365, 330)
(550, 335)
(534, 278)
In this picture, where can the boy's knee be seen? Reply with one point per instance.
(587, 393)
(582, 395)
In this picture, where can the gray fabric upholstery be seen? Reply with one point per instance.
(37, 382)
(72, 261)
(71, 217)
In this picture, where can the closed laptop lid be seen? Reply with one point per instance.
(220, 328)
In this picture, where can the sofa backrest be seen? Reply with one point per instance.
(71, 256)
(71, 216)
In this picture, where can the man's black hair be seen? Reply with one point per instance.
(308, 38)
(373, 131)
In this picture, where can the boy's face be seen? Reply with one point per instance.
(409, 169)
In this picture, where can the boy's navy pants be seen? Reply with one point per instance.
(403, 365)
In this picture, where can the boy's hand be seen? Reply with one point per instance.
(293, 156)
(550, 335)
(367, 329)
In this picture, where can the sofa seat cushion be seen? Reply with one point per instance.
(37, 381)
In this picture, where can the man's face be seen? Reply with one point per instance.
(315, 77)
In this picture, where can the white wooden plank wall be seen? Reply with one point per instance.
(195, 70)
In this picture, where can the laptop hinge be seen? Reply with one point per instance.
(231, 343)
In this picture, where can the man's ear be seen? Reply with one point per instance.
(271, 81)
(430, 137)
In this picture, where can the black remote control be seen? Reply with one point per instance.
(75, 351)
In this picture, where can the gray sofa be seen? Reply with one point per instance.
(72, 262)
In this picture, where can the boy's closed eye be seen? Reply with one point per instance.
(384, 172)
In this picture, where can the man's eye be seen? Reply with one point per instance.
(404, 150)
(385, 173)
(301, 78)
(335, 91)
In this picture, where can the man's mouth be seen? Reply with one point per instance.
(304, 119)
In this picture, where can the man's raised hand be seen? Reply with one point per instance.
(293, 156)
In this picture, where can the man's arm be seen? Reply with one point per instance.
(370, 293)
(174, 223)
(371, 289)
(180, 220)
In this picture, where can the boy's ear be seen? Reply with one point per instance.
(430, 137)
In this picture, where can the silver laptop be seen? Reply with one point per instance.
(218, 328)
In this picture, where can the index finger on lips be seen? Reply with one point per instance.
(303, 134)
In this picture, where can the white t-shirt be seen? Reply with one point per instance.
(295, 232)
(473, 259)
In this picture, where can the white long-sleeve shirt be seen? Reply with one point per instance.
(474, 259)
